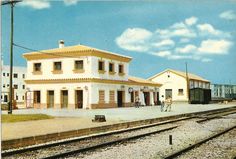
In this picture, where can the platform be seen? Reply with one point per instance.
(66, 120)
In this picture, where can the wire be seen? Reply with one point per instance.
(52, 54)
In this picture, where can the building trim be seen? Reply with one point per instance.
(75, 54)
(92, 80)
(189, 77)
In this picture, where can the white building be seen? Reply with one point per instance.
(84, 77)
(18, 84)
(223, 91)
(174, 84)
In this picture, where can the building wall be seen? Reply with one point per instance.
(19, 81)
(172, 81)
(90, 69)
(57, 88)
(223, 91)
(90, 94)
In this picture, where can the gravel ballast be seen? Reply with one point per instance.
(157, 146)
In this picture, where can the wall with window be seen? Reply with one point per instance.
(59, 68)
(109, 69)
(19, 74)
(176, 83)
(57, 89)
(83, 67)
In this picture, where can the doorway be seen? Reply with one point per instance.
(120, 99)
(64, 99)
(79, 99)
(168, 93)
(50, 100)
(5, 98)
(146, 98)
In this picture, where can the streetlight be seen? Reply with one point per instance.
(12, 3)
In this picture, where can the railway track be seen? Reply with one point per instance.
(199, 143)
(79, 145)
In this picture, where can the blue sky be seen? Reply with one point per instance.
(158, 35)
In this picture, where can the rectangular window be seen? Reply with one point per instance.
(112, 96)
(101, 96)
(15, 86)
(57, 66)
(4, 86)
(15, 75)
(23, 75)
(37, 97)
(23, 86)
(111, 67)
(37, 67)
(8, 74)
(23, 97)
(101, 66)
(4, 74)
(8, 85)
(181, 92)
(16, 97)
(79, 65)
(121, 68)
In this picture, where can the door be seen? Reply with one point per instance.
(64, 99)
(146, 98)
(50, 99)
(119, 98)
(5, 98)
(168, 93)
(79, 99)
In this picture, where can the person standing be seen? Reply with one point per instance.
(168, 103)
(162, 103)
(137, 102)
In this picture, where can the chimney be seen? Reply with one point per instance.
(61, 43)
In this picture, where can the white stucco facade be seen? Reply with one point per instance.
(103, 80)
(19, 85)
(174, 84)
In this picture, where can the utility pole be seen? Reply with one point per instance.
(187, 80)
(12, 4)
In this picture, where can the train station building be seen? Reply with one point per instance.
(177, 84)
(83, 77)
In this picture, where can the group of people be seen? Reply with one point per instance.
(166, 103)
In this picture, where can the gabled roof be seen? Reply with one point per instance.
(75, 51)
(182, 74)
(143, 81)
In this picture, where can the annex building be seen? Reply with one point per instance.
(177, 84)
(83, 77)
(19, 86)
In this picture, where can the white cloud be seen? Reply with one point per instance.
(186, 49)
(208, 29)
(200, 41)
(36, 4)
(178, 57)
(134, 39)
(70, 2)
(215, 47)
(176, 31)
(178, 25)
(191, 21)
(228, 15)
(184, 33)
(164, 43)
(162, 53)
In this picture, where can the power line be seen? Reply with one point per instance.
(48, 53)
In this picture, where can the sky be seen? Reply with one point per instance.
(158, 34)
